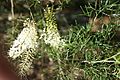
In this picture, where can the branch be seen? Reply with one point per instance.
(102, 61)
(12, 9)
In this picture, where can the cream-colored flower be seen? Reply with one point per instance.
(26, 40)
(50, 34)
(52, 38)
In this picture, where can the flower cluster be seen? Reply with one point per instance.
(25, 41)
(50, 33)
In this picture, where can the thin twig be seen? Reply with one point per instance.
(28, 7)
(113, 56)
(12, 9)
(102, 61)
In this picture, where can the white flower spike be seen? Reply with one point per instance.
(25, 41)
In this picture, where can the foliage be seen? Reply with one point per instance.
(81, 55)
